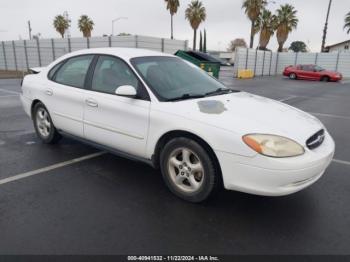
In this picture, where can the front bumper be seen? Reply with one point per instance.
(261, 175)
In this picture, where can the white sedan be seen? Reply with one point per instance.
(159, 109)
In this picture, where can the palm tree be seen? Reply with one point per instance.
(86, 25)
(195, 14)
(267, 28)
(347, 22)
(61, 24)
(286, 22)
(253, 9)
(172, 6)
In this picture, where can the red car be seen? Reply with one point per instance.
(311, 72)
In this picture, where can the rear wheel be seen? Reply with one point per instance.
(325, 79)
(188, 170)
(293, 76)
(43, 125)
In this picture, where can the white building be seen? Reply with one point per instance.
(339, 47)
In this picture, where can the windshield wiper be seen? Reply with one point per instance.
(221, 91)
(185, 97)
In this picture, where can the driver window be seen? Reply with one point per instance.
(111, 73)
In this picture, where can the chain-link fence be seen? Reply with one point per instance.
(24, 54)
(267, 63)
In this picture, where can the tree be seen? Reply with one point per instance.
(286, 22)
(172, 6)
(61, 24)
(267, 28)
(86, 25)
(205, 41)
(298, 46)
(347, 22)
(200, 42)
(238, 42)
(195, 14)
(253, 9)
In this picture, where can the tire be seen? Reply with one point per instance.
(193, 178)
(43, 125)
(293, 76)
(325, 79)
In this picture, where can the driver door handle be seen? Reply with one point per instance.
(91, 102)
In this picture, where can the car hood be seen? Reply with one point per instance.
(244, 113)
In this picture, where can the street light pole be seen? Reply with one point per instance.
(325, 28)
(115, 20)
(29, 31)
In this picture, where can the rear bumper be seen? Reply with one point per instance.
(275, 176)
(26, 104)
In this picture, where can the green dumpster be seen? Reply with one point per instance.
(202, 60)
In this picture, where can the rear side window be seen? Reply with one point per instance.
(74, 71)
(54, 70)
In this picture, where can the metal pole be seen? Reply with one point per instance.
(69, 46)
(88, 42)
(337, 63)
(5, 58)
(271, 54)
(26, 54)
(277, 56)
(316, 58)
(38, 47)
(110, 41)
(325, 27)
(163, 45)
(263, 65)
(256, 56)
(53, 49)
(136, 41)
(246, 59)
(14, 54)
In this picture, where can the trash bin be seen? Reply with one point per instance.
(202, 60)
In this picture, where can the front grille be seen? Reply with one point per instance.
(316, 140)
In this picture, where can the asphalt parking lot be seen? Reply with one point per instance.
(109, 205)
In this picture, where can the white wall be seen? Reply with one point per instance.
(265, 63)
(24, 54)
(340, 47)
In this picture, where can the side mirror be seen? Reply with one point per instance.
(126, 90)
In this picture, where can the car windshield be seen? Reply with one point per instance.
(171, 79)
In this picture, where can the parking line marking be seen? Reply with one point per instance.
(287, 98)
(7, 96)
(341, 162)
(330, 115)
(49, 168)
(10, 92)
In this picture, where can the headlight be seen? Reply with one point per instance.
(272, 145)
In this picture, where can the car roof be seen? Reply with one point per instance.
(124, 53)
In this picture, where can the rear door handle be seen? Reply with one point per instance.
(91, 102)
(49, 92)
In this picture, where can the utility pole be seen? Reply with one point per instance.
(326, 27)
(30, 31)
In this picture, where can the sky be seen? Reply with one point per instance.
(225, 19)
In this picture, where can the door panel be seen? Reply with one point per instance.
(65, 95)
(66, 105)
(117, 122)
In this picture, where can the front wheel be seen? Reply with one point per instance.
(325, 79)
(293, 76)
(188, 170)
(43, 125)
